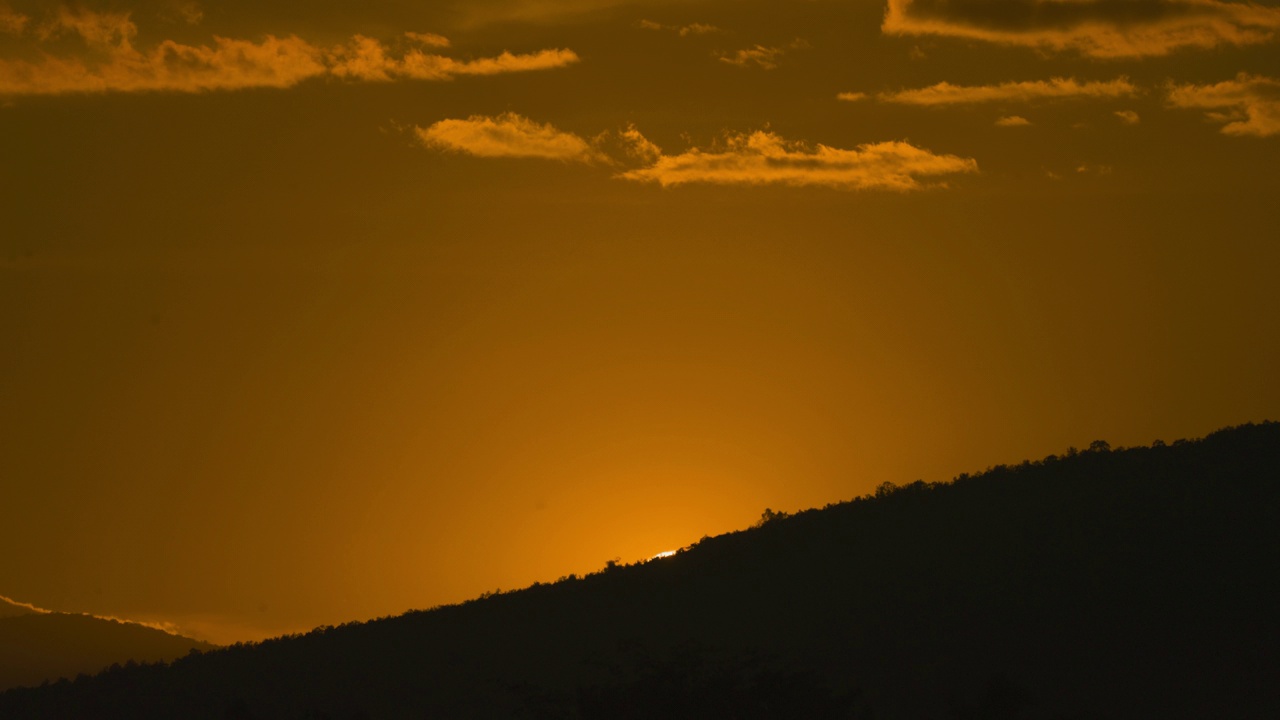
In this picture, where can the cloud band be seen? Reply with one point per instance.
(111, 63)
(1097, 28)
(1247, 105)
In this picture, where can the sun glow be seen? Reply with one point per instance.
(663, 554)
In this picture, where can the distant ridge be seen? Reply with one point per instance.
(38, 646)
(13, 608)
(1105, 583)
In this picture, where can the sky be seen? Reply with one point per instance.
(317, 314)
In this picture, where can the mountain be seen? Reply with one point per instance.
(1107, 583)
(36, 646)
(10, 608)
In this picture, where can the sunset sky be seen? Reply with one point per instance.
(317, 312)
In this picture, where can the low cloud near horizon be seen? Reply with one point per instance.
(23, 608)
(28, 608)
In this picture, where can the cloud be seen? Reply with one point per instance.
(1096, 28)
(188, 11)
(227, 65)
(20, 608)
(1247, 105)
(945, 93)
(1013, 121)
(10, 607)
(367, 59)
(111, 63)
(429, 39)
(11, 22)
(759, 158)
(1128, 117)
(627, 147)
(682, 30)
(761, 56)
(98, 30)
(638, 146)
(851, 96)
(474, 13)
(164, 627)
(514, 136)
(698, 29)
(508, 135)
(764, 158)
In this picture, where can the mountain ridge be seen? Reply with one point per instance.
(1105, 583)
(12, 608)
(38, 646)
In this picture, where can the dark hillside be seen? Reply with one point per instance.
(37, 646)
(1138, 583)
(9, 608)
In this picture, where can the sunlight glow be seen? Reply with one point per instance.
(663, 554)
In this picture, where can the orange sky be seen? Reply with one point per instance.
(313, 316)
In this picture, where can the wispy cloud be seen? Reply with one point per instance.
(761, 56)
(851, 96)
(758, 158)
(165, 627)
(1013, 121)
(764, 158)
(472, 13)
(11, 22)
(681, 30)
(1128, 117)
(1097, 28)
(627, 147)
(111, 62)
(1247, 105)
(187, 11)
(507, 136)
(428, 39)
(367, 59)
(944, 93)
(22, 607)
(226, 65)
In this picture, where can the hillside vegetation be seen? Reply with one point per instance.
(1108, 583)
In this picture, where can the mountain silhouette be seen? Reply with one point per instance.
(10, 608)
(36, 646)
(1104, 583)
